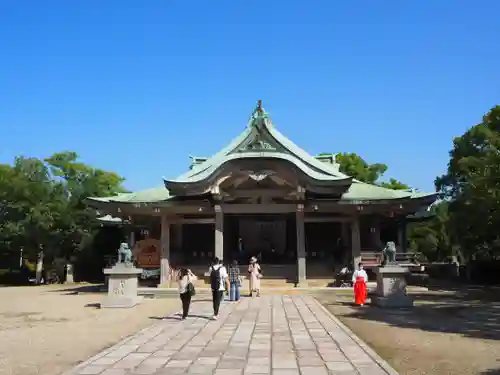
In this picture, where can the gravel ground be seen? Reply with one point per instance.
(445, 333)
(45, 330)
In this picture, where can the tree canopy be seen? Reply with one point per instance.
(42, 203)
(355, 166)
(472, 186)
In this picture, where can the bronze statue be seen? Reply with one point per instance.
(124, 254)
(389, 252)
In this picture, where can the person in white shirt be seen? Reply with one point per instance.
(218, 280)
(186, 289)
(359, 279)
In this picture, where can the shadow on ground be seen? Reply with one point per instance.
(178, 316)
(78, 289)
(495, 371)
(470, 312)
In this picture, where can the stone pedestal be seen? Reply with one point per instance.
(122, 286)
(391, 287)
(69, 274)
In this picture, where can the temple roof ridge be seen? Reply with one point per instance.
(258, 123)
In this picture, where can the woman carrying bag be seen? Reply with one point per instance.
(255, 274)
(186, 289)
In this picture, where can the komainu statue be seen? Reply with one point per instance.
(389, 252)
(124, 254)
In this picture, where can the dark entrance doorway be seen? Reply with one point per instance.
(269, 237)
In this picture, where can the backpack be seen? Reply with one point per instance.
(191, 289)
(215, 278)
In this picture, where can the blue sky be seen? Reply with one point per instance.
(137, 86)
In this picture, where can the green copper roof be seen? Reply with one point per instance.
(363, 191)
(358, 191)
(210, 169)
(145, 196)
(261, 139)
(260, 135)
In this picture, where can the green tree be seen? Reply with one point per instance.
(394, 184)
(79, 181)
(30, 206)
(472, 185)
(432, 237)
(42, 209)
(355, 166)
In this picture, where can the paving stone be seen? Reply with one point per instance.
(285, 372)
(163, 353)
(370, 369)
(178, 363)
(287, 363)
(106, 360)
(172, 371)
(333, 356)
(316, 370)
(311, 361)
(114, 371)
(201, 369)
(255, 361)
(228, 372)
(271, 335)
(339, 366)
(256, 369)
(92, 370)
(123, 350)
(226, 364)
(206, 361)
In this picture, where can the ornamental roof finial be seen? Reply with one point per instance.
(259, 106)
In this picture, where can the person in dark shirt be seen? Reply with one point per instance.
(234, 281)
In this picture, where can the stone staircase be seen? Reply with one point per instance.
(274, 276)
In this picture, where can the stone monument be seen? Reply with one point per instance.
(122, 281)
(391, 281)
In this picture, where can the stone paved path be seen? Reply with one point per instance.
(278, 335)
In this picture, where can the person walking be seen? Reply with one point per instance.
(234, 281)
(255, 274)
(186, 289)
(359, 279)
(218, 280)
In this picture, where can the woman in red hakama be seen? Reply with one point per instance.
(359, 280)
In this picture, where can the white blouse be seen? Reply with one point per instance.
(183, 283)
(359, 273)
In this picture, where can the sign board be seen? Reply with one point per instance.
(147, 253)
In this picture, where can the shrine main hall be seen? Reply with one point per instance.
(263, 196)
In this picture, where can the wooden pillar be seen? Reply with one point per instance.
(345, 234)
(355, 242)
(402, 235)
(219, 232)
(177, 236)
(346, 244)
(131, 238)
(405, 237)
(165, 251)
(376, 242)
(301, 246)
